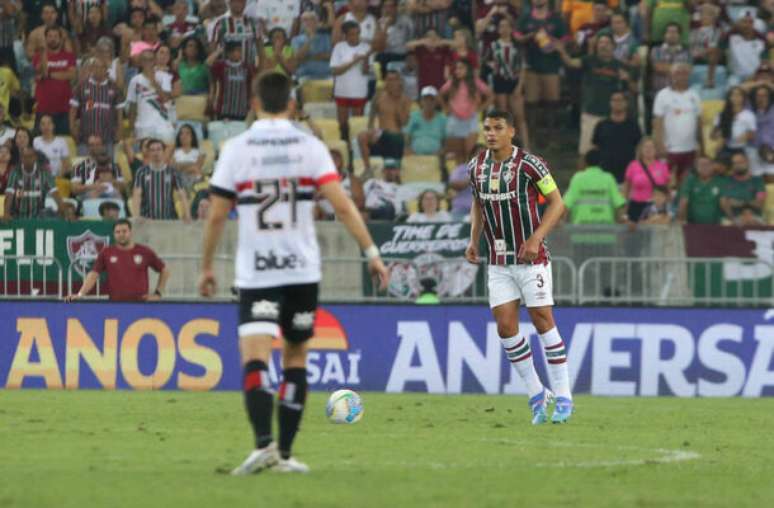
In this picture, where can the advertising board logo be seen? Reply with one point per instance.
(83, 249)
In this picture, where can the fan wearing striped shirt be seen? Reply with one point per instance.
(506, 181)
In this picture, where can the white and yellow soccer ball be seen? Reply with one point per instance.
(344, 406)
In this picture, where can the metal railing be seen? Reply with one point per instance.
(675, 281)
(31, 278)
(659, 281)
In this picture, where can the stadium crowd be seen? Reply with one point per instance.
(113, 108)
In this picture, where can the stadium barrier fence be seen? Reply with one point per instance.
(30, 277)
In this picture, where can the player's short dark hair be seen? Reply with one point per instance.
(500, 114)
(349, 25)
(273, 89)
(593, 157)
(108, 205)
(119, 222)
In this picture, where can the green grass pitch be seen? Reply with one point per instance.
(169, 449)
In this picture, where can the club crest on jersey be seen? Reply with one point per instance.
(137, 259)
(508, 175)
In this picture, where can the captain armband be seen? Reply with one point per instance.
(546, 185)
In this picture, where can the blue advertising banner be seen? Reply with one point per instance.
(441, 349)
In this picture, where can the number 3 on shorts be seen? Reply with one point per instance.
(540, 282)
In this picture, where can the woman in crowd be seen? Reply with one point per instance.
(428, 209)
(735, 125)
(54, 147)
(762, 152)
(90, 32)
(279, 55)
(187, 158)
(642, 176)
(21, 140)
(463, 96)
(194, 74)
(463, 47)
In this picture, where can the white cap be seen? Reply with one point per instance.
(428, 91)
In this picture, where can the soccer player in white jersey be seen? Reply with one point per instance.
(272, 171)
(506, 181)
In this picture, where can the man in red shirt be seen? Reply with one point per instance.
(54, 70)
(127, 266)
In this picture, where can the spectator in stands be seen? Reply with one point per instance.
(37, 38)
(662, 57)
(230, 84)
(131, 32)
(9, 11)
(659, 13)
(149, 40)
(28, 187)
(351, 184)
(150, 99)
(109, 211)
(22, 139)
(279, 55)
(54, 147)
(398, 30)
(432, 54)
(392, 107)
(313, 49)
(428, 15)
(6, 168)
(504, 59)
(9, 83)
(743, 195)
(459, 182)
(95, 108)
(126, 264)
(705, 41)
(357, 12)
(349, 66)
(626, 43)
(188, 159)
(272, 14)
(137, 159)
(381, 195)
(602, 76)
(428, 204)
(700, 195)
(7, 130)
(677, 122)
(105, 51)
(658, 211)
(463, 47)
(234, 26)
(539, 29)
(211, 11)
(84, 182)
(746, 49)
(107, 178)
(578, 13)
(584, 36)
(193, 72)
(463, 96)
(183, 27)
(762, 160)
(90, 30)
(54, 70)
(616, 137)
(735, 125)
(593, 196)
(642, 175)
(154, 187)
(426, 129)
(490, 15)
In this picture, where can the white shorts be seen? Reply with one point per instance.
(530, 283)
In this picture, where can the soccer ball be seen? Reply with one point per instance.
(344, 406)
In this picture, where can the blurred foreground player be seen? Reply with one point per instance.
(506, 181)
(272, 171)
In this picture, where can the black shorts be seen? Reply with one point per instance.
(287, 309)
(389, 145)
(502, 86)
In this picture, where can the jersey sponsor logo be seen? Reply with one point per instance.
(265, 309)
(274, 142)
(271, 261)
(303, 320)
(497, 196)
(83, 249)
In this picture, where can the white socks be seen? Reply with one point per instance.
(520, 355)
(556, 356)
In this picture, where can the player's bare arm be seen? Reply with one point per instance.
(348, 214)
(551, 217)
(213, 230)
(471, 252)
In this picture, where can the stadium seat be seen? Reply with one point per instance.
(376, 163)
(330, 130)
(90, 208)
(206, 147)
(221, 131)
(191, 107)
(63, 186)
(317, 90)
(420, 168)
(320, 109)
(769, 206)
(357, 124)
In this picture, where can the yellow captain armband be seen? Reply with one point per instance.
(546, 185)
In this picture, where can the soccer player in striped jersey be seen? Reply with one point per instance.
(506, 181)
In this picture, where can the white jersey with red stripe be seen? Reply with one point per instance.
(272, 171)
